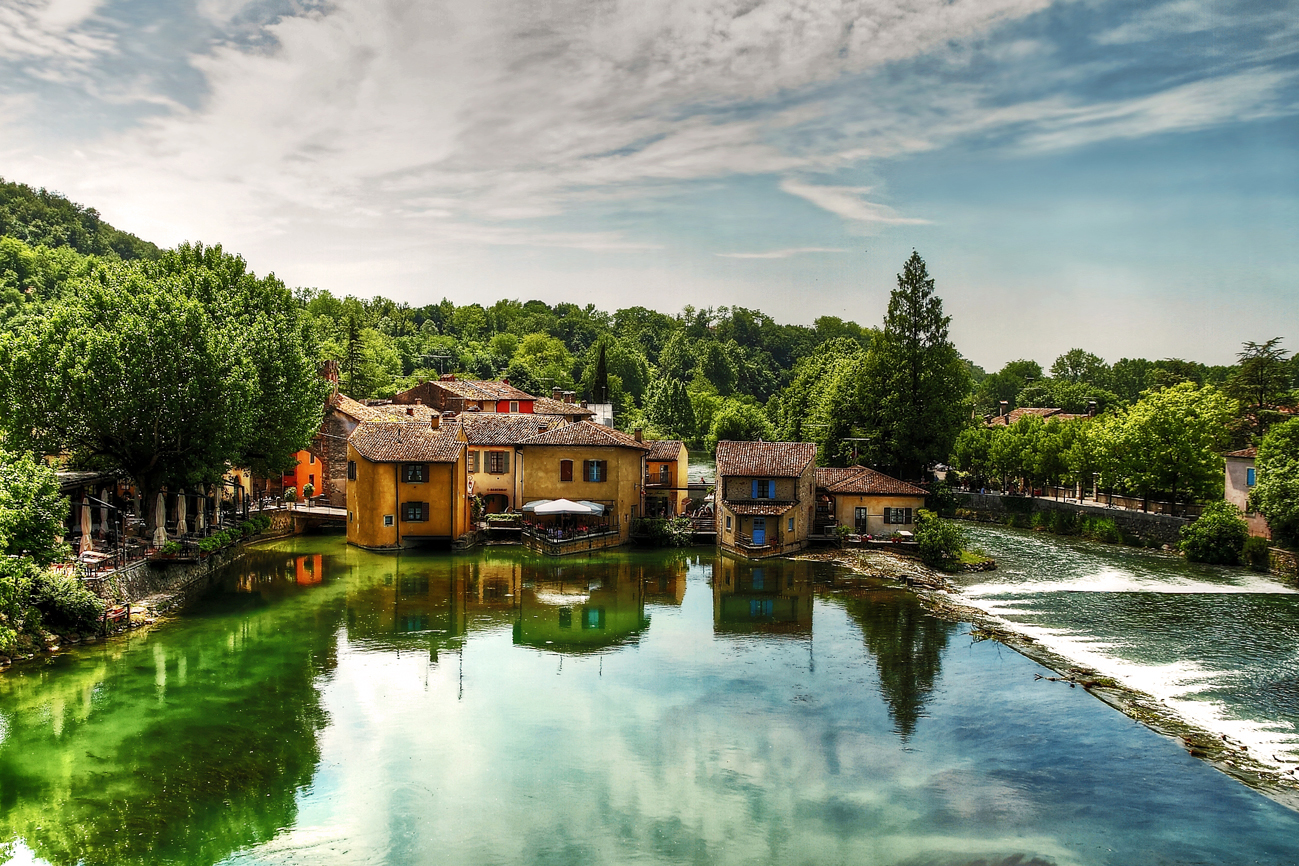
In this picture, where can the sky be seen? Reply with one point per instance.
(1117, 175)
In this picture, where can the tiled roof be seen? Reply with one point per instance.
(1041, 411)
(506, 428)
(664, 450)
(863, 481)
(481, 389)
(387, 411)
(548, 406)
(1250, 453)
(764, 459)
(585, 433)
(766, 509)
(394, 441)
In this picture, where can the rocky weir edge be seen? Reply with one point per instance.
(935, 594)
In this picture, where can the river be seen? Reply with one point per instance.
(326, 705)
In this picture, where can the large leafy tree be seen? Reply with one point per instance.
(916, 387)
(168, 370)
(1261, 382)
(1276, 496)
(668, 408)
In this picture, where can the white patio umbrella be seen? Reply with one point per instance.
(200, 516)
(160, 516)
(596, 508)
(182, 528)
(103, 512)
(532, 504)
(86, 542)
(564, 506)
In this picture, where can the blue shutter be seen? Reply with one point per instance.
(755, 490)
(771, 489)
(1249, 477)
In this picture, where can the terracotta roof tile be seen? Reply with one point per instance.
(1244, 452)
(491, 428)
(767, 509)
(664, 450)
(764, 459)
(383, 441)
(362, 412)
(548, 406)
(1048, 414)
(863, 481)
(585, 433)
(481, 389)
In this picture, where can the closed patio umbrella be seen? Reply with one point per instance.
(182, 528)
(200, 516)
(86, 527)
(160, 517)
(103, 513)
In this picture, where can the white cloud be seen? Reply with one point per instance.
(35, 30)
(847, 202)
(781, 254)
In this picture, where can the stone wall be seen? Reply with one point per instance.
(1156, 528)
(1284, 563)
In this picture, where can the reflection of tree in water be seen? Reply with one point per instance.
(907, 644)
(187, 747)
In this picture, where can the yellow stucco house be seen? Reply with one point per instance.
(666, 481)
(407, 484)
(765, 497)
(586, 462)
(868, 502)
(493, 466)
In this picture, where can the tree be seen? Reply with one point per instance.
(1081, 367)
(939, 541)
(1006, 384)
(668, 408)
(1261, 382)
(1276, 495)
(738, 422)
(916, 385)
(32, 511)
(169, 371)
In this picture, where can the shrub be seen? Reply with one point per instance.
(171, 548)
(208, 545)
(1257, 553)
(290, 494)
(64, 603)
(263, 522)
(308, 490)
(1218, 537)
(1101, 529)
(940, 541)
(248, 527)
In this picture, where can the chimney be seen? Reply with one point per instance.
(1001, 407)
(557, 393)
(638, 434)
(419, 402)
(1091, 408)
(569, 396)
(505, 380)
(583, 404)
(410, 410)
(435, 421)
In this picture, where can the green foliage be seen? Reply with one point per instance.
(740, 422)
(42, 218)
(171, 548)
(64, 603)
(1256, 554)
(32, 511)
(1005, 385)
(1217, 537)
(940, 541)
(668, 408)
(17, 614)
(1261, 382)
(308, 490)
(290, 494)
(664, 532)
(1276, 494)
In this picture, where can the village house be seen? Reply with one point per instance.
(866, 501)
(493, 467)
(1006, 419)
(1241, 476)
(765, 497)
(449, 394)
(583, 463)
(666, 480)
(407, 484)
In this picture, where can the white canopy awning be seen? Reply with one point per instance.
(566, 506)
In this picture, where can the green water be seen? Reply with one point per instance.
(326, 705)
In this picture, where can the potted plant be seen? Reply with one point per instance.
(308, 491)
(290, 495)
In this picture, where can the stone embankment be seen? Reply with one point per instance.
(934, 591)
(1150, 528)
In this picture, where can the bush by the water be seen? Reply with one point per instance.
(665, 532)
(1217, 537)
(940, 541)
(64, 603)
(1257, 553)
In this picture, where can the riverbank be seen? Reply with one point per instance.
(935, 592)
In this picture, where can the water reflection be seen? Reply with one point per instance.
(580, 609)
(186, 744)
(905, 641)
(773, 598)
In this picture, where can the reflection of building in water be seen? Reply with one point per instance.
(774, 597)
(664, 582)
(273, 571)
(406, 601)
(308, 569)
(576, 609)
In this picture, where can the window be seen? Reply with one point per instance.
(414, 473)
(498, 462)
(566, 470)
(350, 517)
(514, 405)
(897, 515)
(473, 461)
(1249, 477)
(351, 470)
(311, 457)
(728, 523)
(762, 488)
(311, 479)
(595, 470)
(664, 476)
(791, 524)
(859, 519)
(414, 512)
(387, 520)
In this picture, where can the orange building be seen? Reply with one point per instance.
(407, 484)
(666, 480)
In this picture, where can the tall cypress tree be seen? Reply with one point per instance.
(600, 384)
(915, 390)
